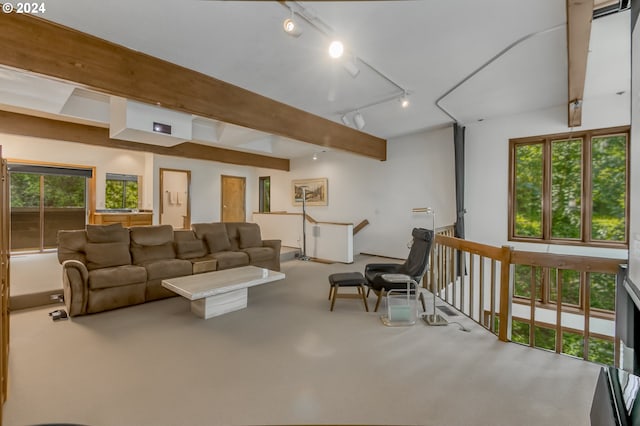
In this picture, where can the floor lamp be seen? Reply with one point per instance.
(304, 224)
(434, 318)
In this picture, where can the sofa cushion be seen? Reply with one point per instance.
(258, 254)
(249, 236)
(117, 276)
(190, 249)
(105, 255)
(113, 233)
(145, 254)
(231, 259)
(168, 269)
(72, 245)
(151, 235)
(217, 240)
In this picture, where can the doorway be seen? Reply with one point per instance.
(175, 198)
(233, 208)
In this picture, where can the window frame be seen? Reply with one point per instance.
(586, 204)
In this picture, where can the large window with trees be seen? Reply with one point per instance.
(43, 200)
(570, 188)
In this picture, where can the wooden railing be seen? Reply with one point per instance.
(479, 281)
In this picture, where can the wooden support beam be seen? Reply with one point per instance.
(46, 48)
(27, 125)
(579, 17)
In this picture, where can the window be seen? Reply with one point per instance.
(121, 191)
(264, 203)
(45, 199)
(570, 188)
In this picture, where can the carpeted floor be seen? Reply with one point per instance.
(284, 360)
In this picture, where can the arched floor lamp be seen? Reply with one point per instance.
(434, 318)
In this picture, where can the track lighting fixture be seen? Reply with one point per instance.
(336, 49)
(404, 101)
(358, 119)
(351, 68)
(315, 156)
(291, 27)
(345, 120)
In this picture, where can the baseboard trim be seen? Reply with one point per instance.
(33, 300)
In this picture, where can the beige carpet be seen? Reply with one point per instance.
(284, 360)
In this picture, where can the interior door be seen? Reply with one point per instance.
(233, 199)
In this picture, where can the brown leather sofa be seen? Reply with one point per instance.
(108, 266)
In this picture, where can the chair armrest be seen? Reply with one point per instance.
(75, 283)
(390, 268)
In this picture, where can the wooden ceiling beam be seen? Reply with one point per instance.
(36, 45)
(579, 17)
(27, 125)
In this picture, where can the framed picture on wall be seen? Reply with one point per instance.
(316, 191)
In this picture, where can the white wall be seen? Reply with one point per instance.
(205, 186)
(105, 160)
(419, 172)
(205, 175)
(487, 166)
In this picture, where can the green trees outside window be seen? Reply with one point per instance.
(570, 188)
(121, 192)
(528, 182)
(43, 203)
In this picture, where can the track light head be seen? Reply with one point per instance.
(345, 120)
(358, 119)
(336, 49)
(404, 101)
(351, 68)
(291, 27)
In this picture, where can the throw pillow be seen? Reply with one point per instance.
(190, 249)
(250, 236)
(218, 240)
(106, 255)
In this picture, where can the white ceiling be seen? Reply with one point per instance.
(425, 47)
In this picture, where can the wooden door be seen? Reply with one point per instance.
(4, 280)
(233, 199)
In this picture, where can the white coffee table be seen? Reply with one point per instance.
(219, 292)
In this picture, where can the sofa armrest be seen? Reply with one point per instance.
(75, 283)
(275, 244)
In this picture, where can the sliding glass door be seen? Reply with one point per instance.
(44, 200)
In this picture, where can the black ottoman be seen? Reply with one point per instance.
(347, 279)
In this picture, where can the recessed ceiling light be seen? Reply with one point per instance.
(336, 49)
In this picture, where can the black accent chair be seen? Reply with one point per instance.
(415, 266)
